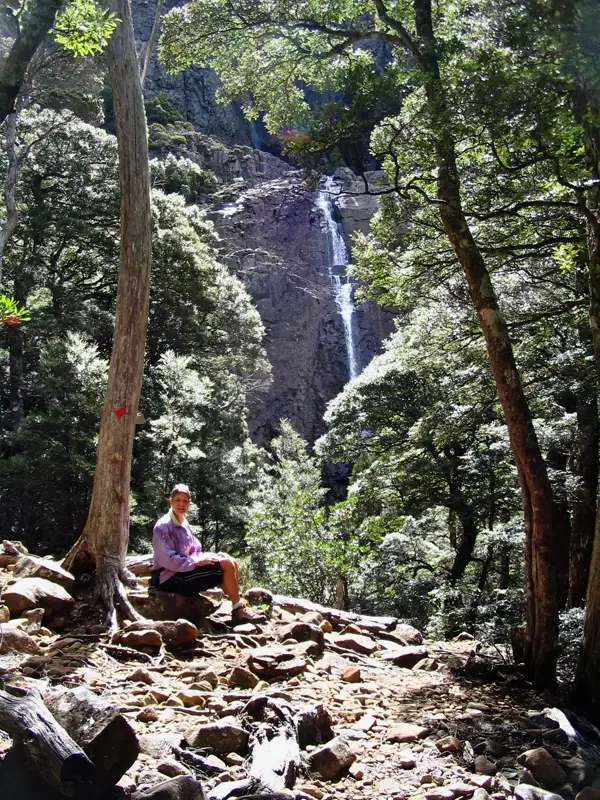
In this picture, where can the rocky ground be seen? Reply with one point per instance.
(397, 717)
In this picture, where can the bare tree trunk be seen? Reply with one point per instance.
(35, 23)
(106, 533)
(148, 48)
(542, 602)
(584, 507)
(10, 184)
(588, 667)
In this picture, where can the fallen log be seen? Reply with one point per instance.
(334, 615)
(101, 730)
(49, 749)
(141, 566)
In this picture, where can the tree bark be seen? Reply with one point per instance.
(542, 602)
(588, 667)
(10, 184)
(35, 24)
(106, 533)
(584, 507)
(49, 749)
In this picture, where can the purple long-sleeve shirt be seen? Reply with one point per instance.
(176, 549)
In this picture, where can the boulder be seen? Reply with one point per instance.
(355, 642)
(220, 738)
(406, 732)
(407, 656)
(159, 605)
(17, 641)
(408, 633)
(33, 567)
(239, 676)
(332, 759)
(184, 787)
(37, 593)
(544, 767)
(303, 632)
(175, 633)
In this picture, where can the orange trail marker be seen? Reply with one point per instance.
(120, 411)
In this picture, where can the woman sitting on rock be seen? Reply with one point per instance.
(181, 566)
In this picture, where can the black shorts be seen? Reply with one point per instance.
(198, 580)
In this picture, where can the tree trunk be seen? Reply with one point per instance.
(584, 507)
(35, 23)
(588, 667)
(106, 533)
(10, 183)
(542, 604)
(557, 460)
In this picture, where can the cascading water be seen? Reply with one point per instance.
(337, 261)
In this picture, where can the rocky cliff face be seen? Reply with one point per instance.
(193, 92)
(274, 236)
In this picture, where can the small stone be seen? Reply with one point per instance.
(449, 744)
(148, 714)
(326, 626)
(174, 702)
(210, 677)
(482, 781)
(405, 732)
(351, 675)
(439, 793)
(484, 766)
(357, 770)
(140, 675)
(406, 656)
(215, 761)
(242, 677)
(365, 723)
(172, 768)
(140, 640)
(191, 698)
(184, 786)
(461, 789)
(221, 738)
(526, 792)
(544, 767)
(389, 786)
(4, 614)
(481, 794)
(406, 759)
(234, 760)
(332, 759)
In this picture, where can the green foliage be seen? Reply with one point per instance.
(160, 111)
(83, 28)
(11, 313)
(182, 176)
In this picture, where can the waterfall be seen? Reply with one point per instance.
(337, 261)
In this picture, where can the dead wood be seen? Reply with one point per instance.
(99, 728)
(49, 749)
(334, 615)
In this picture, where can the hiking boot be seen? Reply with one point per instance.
(246, 613)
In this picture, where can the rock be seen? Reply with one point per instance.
(405, 732)
(159, 745)
(449, 744)
(580, 773)
(191, 698)
(17, 641)
(357, 771)
(408, 633)
(406, 656)
(11, 552)
(526, 792)
(234, 760)
(183, 787)
(332, 759)
(158, 605)
(4, 614)
(303, 632)
(355, 642)
(239, 676)
(140, 675)
(220, 738)
(484, 766)
(389, 786)
(407, 759)
(544, 767)
(258, 596)
(464, 636)
(351, 675)
(365, 723)
(208, 676)
(588, 793)
(37, 593)
(139, 640)
(314, 725)
(174, 633)
(32, 567)
(148, 714)
(275, 663)
(439, 793)
(171, 768)
(480, 794)
(482, 781)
